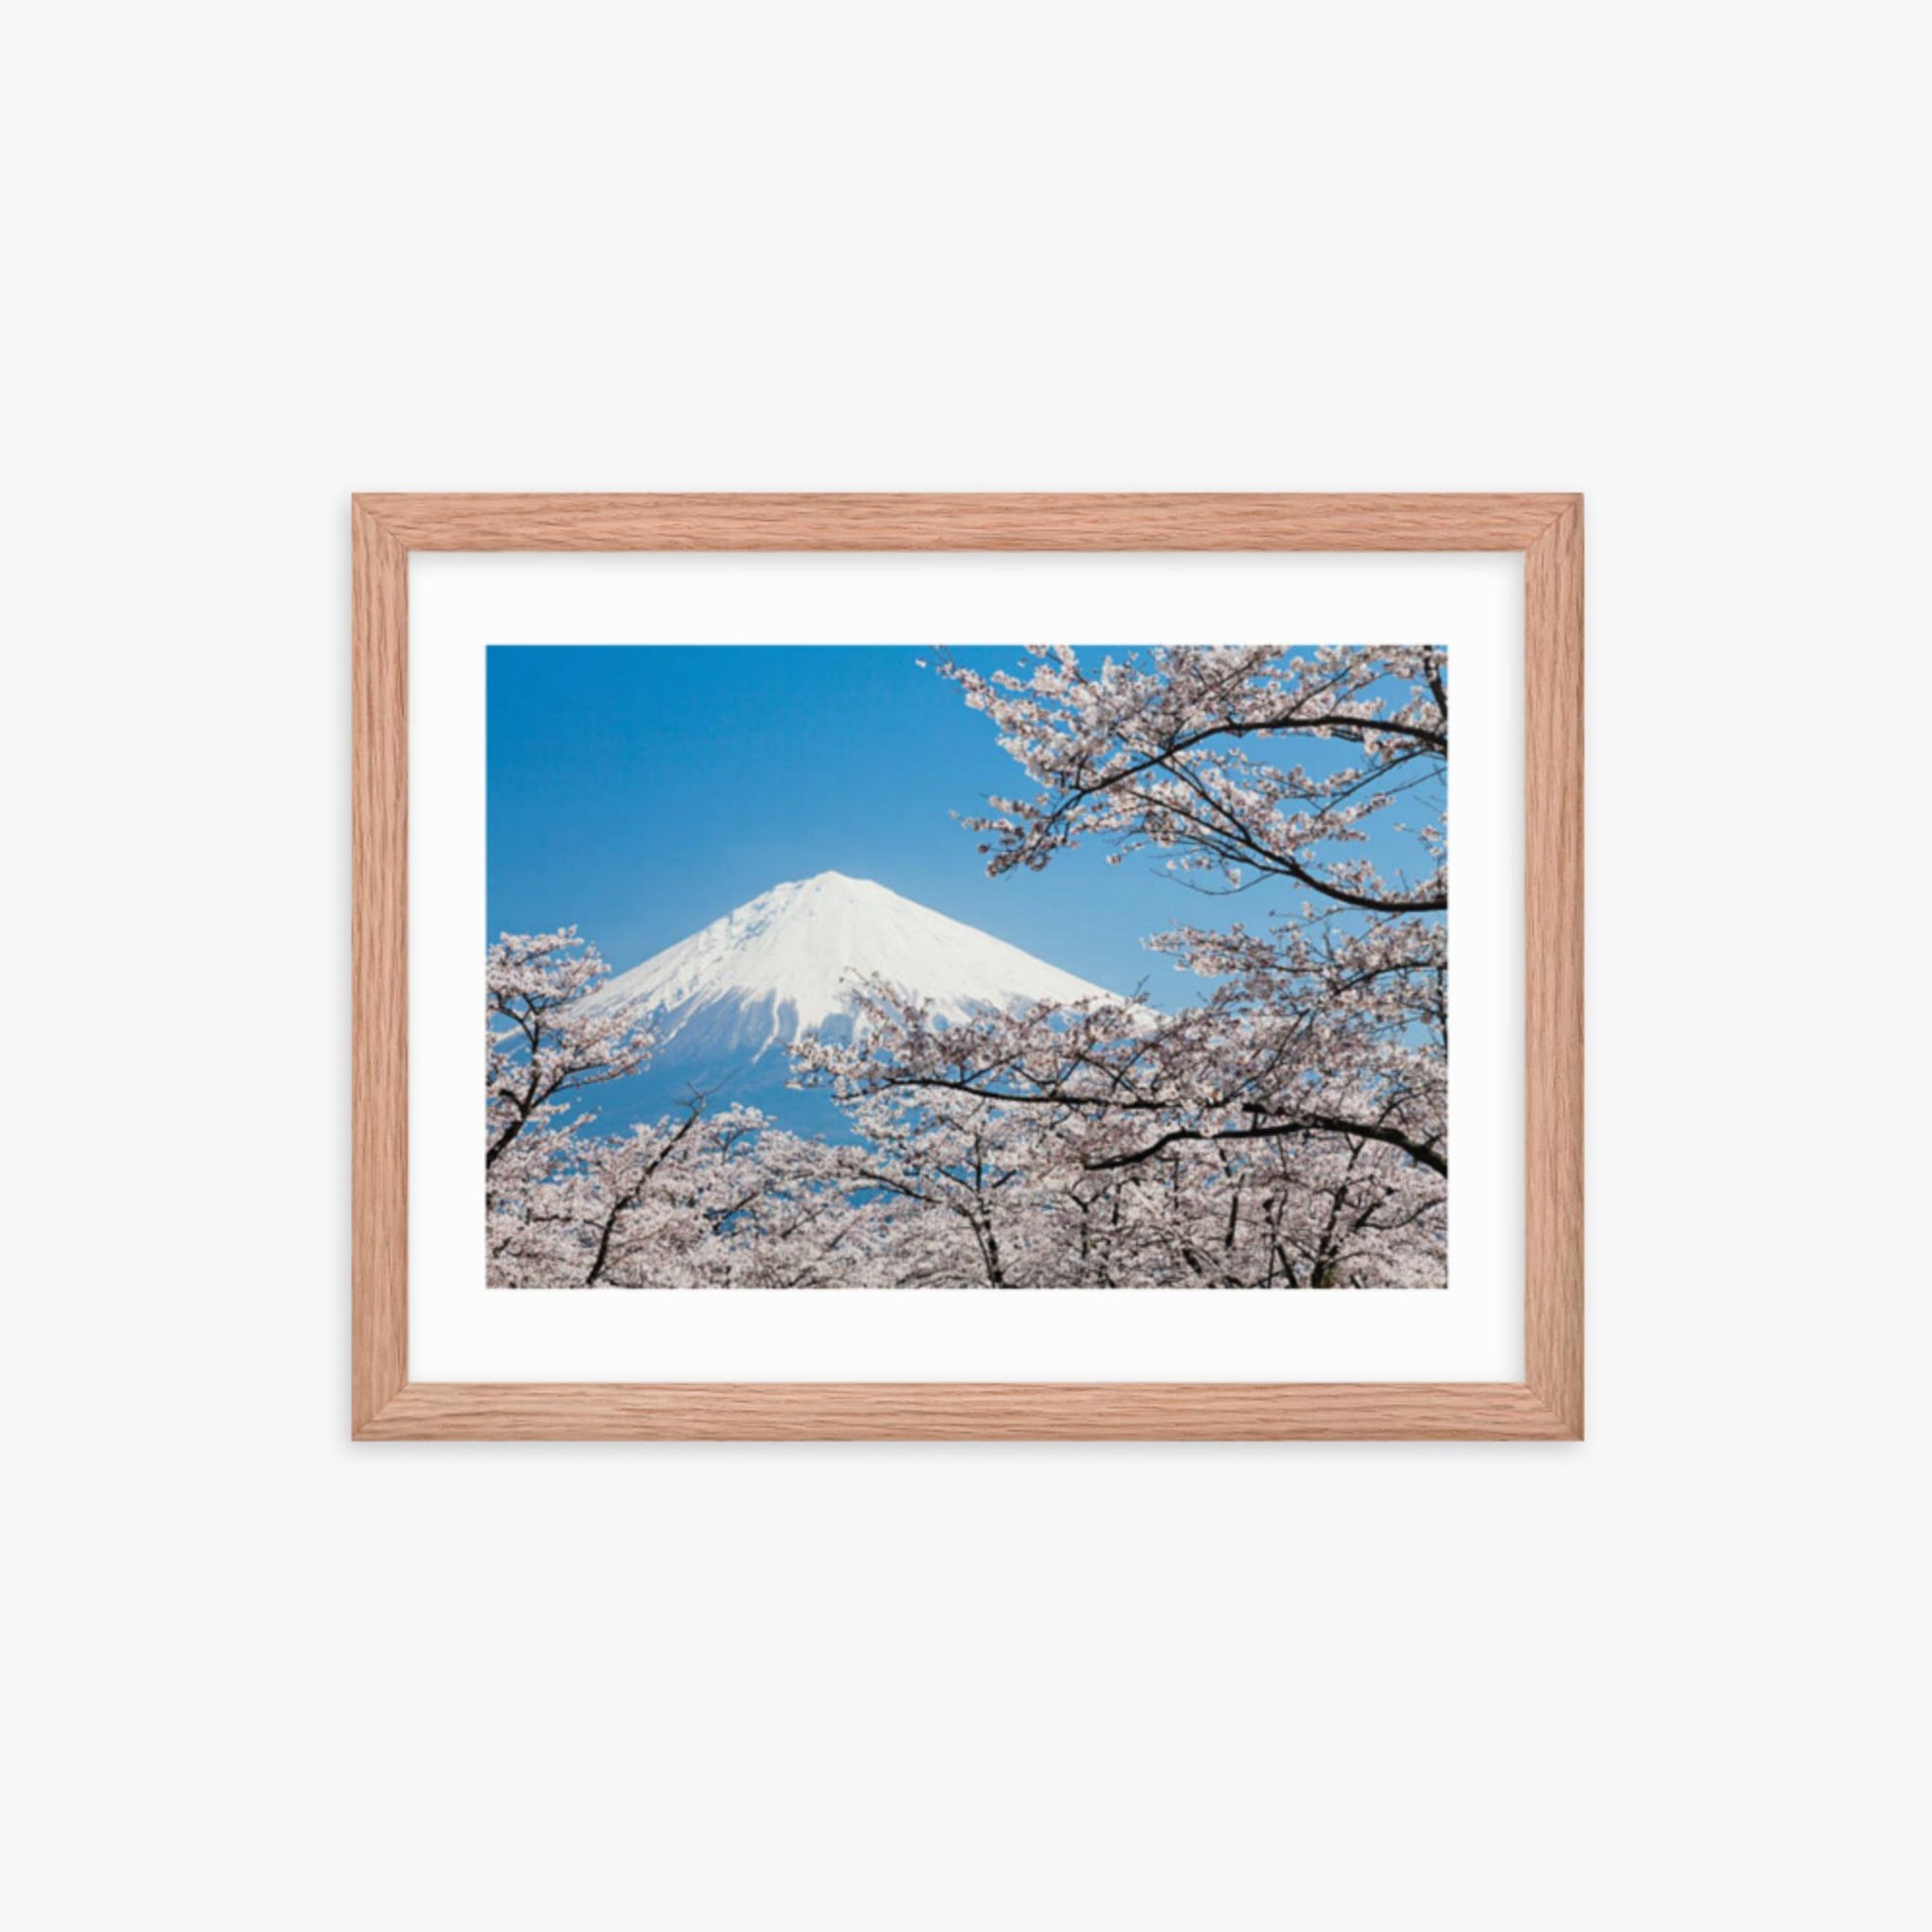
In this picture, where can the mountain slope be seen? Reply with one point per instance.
(737, 994)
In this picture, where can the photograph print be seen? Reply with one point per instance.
(996, 968)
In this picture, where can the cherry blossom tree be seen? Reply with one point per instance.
(1180, 750)
(547, 1035)
(1303, 1098)
(702, 1201)
(1065, 1142)
(958, 1175)
(699, 1199)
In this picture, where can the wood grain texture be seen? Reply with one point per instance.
(1553, 1043)
(965, 522)
(379, 1041)
(965, 1410)
(1547, 1406)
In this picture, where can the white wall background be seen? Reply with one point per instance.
(262, 257)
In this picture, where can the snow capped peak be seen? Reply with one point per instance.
(783, 964)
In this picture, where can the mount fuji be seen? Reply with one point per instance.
(728, 1003)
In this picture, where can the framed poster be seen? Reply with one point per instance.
(968, 966)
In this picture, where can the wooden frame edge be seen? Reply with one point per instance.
(966, 521)
(965, 1411)
(1553, 913)
(379, 968)
(1547, 1406)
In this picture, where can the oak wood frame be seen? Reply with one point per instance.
(1547, 1405)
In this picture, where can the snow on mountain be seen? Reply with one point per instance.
(780, 965)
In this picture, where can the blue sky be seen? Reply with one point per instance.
(638, 793)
